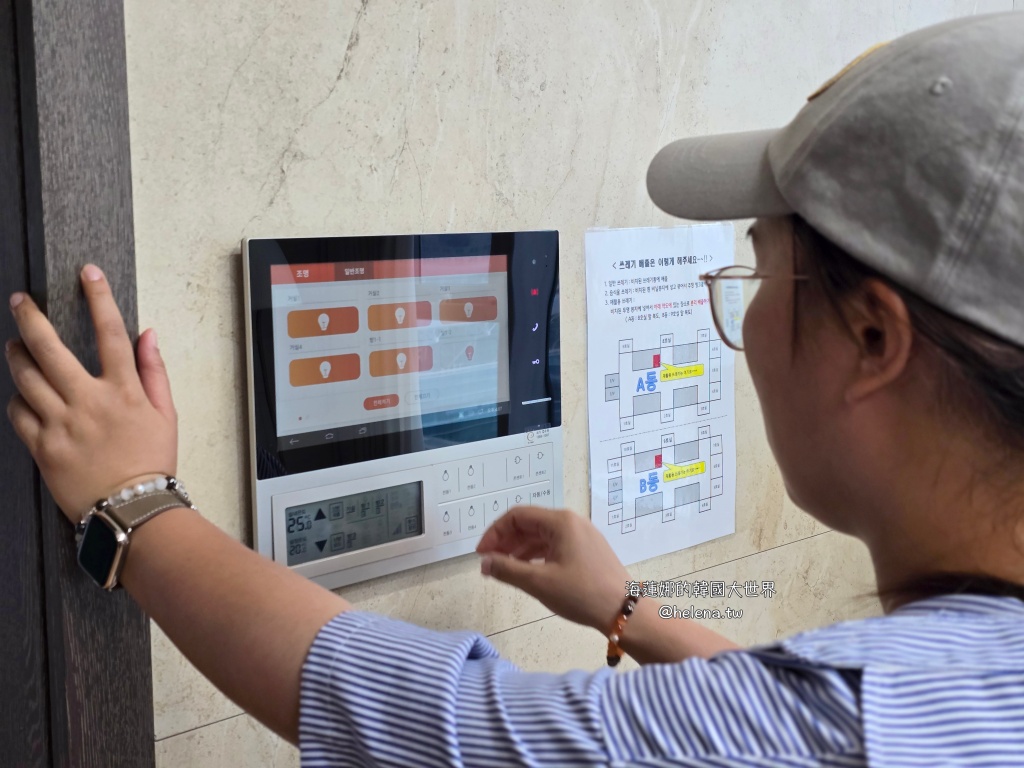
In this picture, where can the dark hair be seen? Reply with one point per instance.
(978, 377)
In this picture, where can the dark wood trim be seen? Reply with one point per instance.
(24, 707)
(74, 205)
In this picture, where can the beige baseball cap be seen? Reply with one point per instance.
(911, 159)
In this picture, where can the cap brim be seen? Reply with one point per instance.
(717, 177)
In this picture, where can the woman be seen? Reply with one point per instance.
(885, 338)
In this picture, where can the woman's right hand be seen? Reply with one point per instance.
(561, 559)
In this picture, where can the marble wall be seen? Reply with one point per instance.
(311, 117)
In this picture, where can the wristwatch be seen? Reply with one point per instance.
(104, 534)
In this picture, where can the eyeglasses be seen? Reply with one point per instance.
(731, 290)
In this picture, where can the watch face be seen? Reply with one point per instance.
(97, 550)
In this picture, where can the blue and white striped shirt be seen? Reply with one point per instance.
(939, 682)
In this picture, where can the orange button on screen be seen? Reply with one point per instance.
(382, 401)
(323, 370)
(322, 322)
(474, 310)
(406, 314)
(394, 362)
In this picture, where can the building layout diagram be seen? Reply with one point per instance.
(662, 429)
(669, 475)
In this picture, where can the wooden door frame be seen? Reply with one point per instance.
(75, 669)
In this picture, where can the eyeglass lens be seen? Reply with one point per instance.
(730, 299)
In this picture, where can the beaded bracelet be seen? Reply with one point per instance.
(614, 651)
(161, 483)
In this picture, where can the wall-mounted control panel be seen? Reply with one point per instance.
(404, 393)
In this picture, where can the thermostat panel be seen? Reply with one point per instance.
(404, 393)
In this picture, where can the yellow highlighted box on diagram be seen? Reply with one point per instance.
(676, 372)
(677, 472)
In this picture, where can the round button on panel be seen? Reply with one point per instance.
(448, 518)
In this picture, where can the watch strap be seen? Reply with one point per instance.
(131, 514)
(121, 514)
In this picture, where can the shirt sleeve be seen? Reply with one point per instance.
(381, 692)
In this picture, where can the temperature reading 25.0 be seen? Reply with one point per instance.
(299, 521)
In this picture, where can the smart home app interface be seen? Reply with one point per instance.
(364, 348)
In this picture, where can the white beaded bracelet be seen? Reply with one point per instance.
(159, 484)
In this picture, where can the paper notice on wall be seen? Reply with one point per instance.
(660, 388)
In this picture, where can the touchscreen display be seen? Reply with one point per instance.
(369, 347)
(364, 348)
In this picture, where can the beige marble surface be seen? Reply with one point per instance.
(238, 742)
(380, 116)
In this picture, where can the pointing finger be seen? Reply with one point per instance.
(115, 348)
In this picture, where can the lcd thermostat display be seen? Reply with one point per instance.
(348, 523)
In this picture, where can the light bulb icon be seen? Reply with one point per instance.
(325, 369)
(323, 320)
(468, 309)
(401, 360)
(469, 353)
(400, 315)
